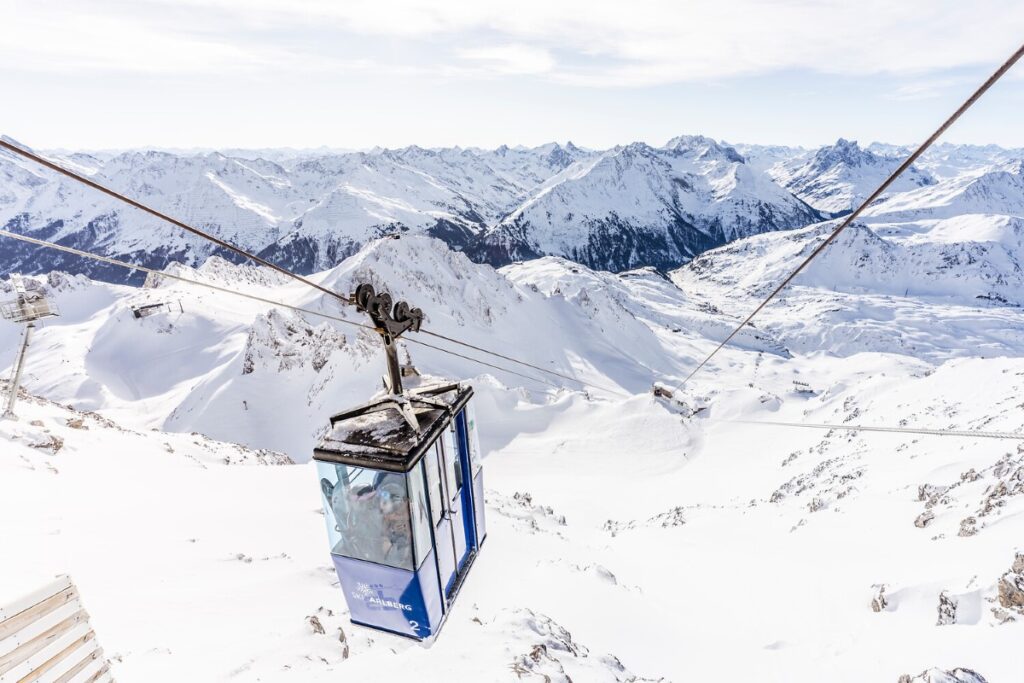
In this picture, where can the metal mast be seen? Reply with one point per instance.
(27, 308)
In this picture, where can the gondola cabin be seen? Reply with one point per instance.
(404, 501)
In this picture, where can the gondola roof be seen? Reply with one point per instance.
(383, 439)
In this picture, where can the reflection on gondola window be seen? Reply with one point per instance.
(420, 518)
(452, 464)
(434, 483)
(367, 514)
(473, 440)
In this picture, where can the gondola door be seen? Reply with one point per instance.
(433, 461)
(454, 482)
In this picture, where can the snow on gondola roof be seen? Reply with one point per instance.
(382, 439)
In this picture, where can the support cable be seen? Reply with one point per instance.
(529, 365)
(895, 430)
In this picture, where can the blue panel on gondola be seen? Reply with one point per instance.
(395, 600)
(403, 501)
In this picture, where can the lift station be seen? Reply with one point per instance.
(27, 308)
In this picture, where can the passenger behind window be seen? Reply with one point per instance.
(397, 537)
(364, 528)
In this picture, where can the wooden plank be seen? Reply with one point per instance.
(33, 654)
(45, 637)
(41, 641)
(73, 641)
(101, 676)
(85, 669)
(60, 662)
(39, 626)
(71, 657)
(35, 597)
(18, 621)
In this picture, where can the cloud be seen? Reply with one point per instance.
(51, 37)
(515, 59)
(598, 42)
(929, 88)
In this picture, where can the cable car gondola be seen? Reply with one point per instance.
(402, 487)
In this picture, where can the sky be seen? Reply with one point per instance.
(353, 74)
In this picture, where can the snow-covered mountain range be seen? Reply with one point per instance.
(631, 537)
(644, 206)
(618, 209)
(307, 212)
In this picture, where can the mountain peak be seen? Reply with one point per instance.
(416, 150)
(846, 152)
(702, 147)
(635, 148)
(837, 176)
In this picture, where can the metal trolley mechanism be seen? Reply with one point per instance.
(402, 486)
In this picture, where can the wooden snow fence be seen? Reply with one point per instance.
(45, 637)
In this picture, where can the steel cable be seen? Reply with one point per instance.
(897, 430)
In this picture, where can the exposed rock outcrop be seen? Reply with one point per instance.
(936, 675)
(879, 603)
(1011, 586)
(947, 609)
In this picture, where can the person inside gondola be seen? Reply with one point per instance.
(372, 518)
(397, 537)
(361, 538)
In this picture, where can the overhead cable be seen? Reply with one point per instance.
(895, 430)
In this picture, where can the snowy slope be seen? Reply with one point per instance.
(764, 157)
(587, 566)
(958, 260)
(615, 523)
(245, 362)
(997, 189)
(945, 160)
